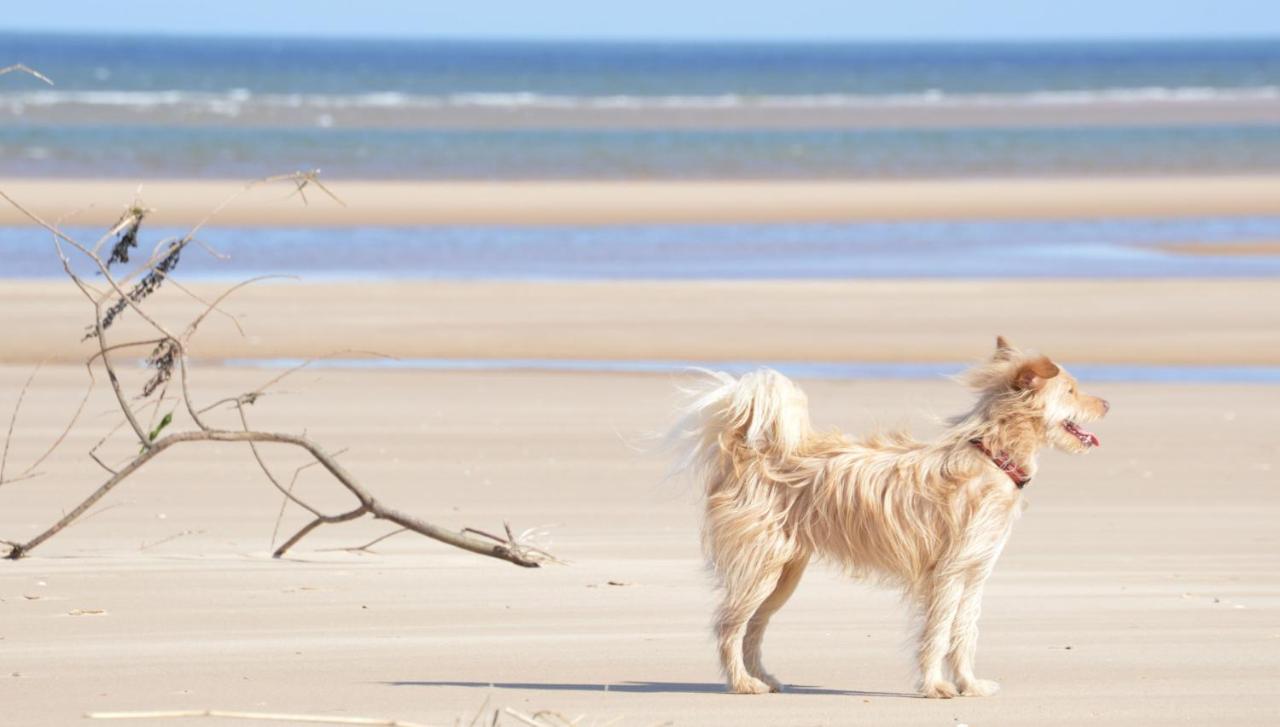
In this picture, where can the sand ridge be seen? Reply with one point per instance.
(1208, 322)
(401, 203)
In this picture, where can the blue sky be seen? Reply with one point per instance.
(663, 19)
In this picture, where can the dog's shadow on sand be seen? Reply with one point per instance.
(644, 688)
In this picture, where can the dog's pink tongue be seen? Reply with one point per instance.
(1086, 437)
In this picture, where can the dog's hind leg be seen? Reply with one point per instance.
(753, 641)
(746, 587)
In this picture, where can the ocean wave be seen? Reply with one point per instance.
(235, 101)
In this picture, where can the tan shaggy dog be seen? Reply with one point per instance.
(928, 517)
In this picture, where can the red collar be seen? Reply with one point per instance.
(1005, 463)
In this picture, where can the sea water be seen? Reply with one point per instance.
(202, 107)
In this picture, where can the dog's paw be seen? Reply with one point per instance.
(750, 685)
(939, 690)
(772, 681)
(979, 688)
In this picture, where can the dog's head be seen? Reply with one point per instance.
(1018, 385)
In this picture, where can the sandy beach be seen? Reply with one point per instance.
(403, 203)
(509, 245)
(1140, 588)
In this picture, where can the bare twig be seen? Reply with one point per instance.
(20, 68)
(320, 520)
(479, 712)
(22, 477)
(213, 306)
(94, 456)
(524, 718)
(544, 718)
(284, 502)
(154, 405)
(98, 512)
(304, 179)
(62, 436)
(305, 364)
(259, 716)
(286, 491)
(17, 407)
(171, 538)
(520, 541)
(365, 548)
(196, 297)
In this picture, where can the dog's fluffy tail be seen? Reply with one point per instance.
(760, 415)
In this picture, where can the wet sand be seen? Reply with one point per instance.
(1250, 248)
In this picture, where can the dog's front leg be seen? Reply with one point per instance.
(940, 604)
(985, 544)
(964, 638)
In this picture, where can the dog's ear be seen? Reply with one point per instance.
(1033, 374)
(1004, 350)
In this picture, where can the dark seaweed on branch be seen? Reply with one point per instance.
(128, 237)
(116, 309)
(145, 287)
(162, 359)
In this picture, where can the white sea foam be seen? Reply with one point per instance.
(234, 102)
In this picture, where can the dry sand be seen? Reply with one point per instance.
(180, 202)
(1142, 587)
(1106, 321)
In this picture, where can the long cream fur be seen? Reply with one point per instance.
(928, 517)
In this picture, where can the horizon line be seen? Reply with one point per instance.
(1266, 37)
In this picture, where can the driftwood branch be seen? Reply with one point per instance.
(168, 357)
